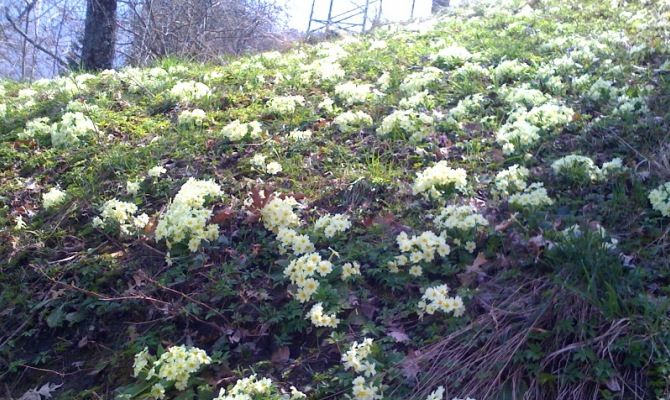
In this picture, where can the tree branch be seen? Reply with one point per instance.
(32, 42)
(29, 7)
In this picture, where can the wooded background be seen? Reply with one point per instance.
(44, 38)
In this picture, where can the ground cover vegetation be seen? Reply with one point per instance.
(474, 206)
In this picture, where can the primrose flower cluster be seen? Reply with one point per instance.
(460, 218)
(523, 96)
(27, 97)
(290, 239)
(272, 167)
(133, 185)
(351, 121)
(320, 319)
(420, 248)
(470, 72)
(151, 79)
(510, 70)
(354, 93)
(358, 358)
(533, 197)
(300, 136)
(303, 271)
(630, 106)
(510, 180)
(384, 81)
(660, 199)
(550, 116)
(53, 198)
(253, 388)
(121, 214)
(174, 366)
(579, 168)
(524, 128)
(186, 217)
(350, 269)
(246, 388)
(278, 213)
(258, 161)
(438, 180)
(284, 105)
(408, 123)
(438, 394)
(519, 134)
(602, 91)
(331, 225)
(364, 390)
(35, 128)
(192, 117)
(324, 71)
(71, 129)
(190, 91)
(327, 105)
(416, 101)
(236, 130)
(82, 107)
(452, 56)
(156, 172)
(419, 81)
(437, 299)
(575, 166)
(468, 107)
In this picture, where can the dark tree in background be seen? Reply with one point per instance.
(438, 5)
(200, 30)
(45, 38)
(99, 35)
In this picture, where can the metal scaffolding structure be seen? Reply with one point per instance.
(354, 20)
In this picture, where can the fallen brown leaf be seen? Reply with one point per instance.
(398, 334)
(504, 225)
(409, 366)
(222, 216)
(474, 270)
(281, 355)
(151, 225)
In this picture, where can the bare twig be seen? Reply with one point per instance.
(33, 42)
(187, 297)
(98, 295)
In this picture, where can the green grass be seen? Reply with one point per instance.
(547, 312)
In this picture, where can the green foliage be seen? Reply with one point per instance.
(579, 273)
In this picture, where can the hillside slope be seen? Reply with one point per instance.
(469, 207)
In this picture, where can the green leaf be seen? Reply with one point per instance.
(186, 395)
(55, 318)
(135, 389)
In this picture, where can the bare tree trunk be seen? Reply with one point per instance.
(54, 66)
(24, 47)
(438, 5)
(36, 34)
(99, 35)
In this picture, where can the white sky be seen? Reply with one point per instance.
(392, 10)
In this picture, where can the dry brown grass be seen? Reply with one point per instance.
(482, 359)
